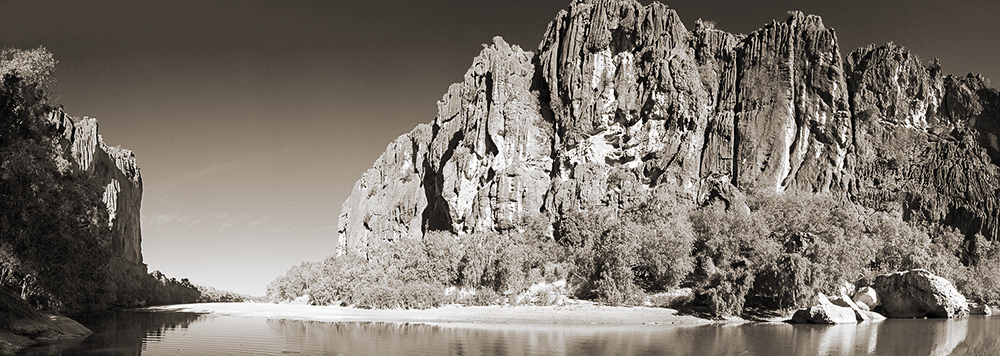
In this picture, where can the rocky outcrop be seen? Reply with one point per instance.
(980, 309)
(482, 165)
(835, 310)
(113, 168)
(866, 298)
(925, 142)
(862, 313)
(623, 102)
(918, 293)
(826, 312)
(22, 326)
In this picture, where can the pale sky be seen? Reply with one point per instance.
(252, 119)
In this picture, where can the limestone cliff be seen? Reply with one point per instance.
(482, 164)
(623, 101)
(113, 168)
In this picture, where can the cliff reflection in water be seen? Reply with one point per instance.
(169, 333)
(909, 337)
(120, 333)
(417, 339)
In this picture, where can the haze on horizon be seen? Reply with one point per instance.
(251, 120)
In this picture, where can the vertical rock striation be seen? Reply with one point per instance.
(925, 142)
(482, 164)
(792, 117)
(622, 102)
(113, 168)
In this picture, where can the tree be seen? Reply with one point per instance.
(35, 66)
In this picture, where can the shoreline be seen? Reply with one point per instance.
(582, 314)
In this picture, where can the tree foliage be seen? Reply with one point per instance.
(35, 66)
(778, 254)
(55, 241)
(51, 221)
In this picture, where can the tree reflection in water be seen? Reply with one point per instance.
(163, 333)
(972, 335)
(119, 333)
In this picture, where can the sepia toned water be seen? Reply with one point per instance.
(171, 333)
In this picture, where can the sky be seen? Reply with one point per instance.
(252, 119)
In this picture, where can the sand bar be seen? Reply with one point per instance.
(578, 314)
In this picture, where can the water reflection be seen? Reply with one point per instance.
(418, 339)
(119, 333)
(163, 333)
(893, 337)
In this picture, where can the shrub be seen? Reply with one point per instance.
(484, 297)
(731, 247)
(619, 258)
(983, 283)
(665, 242)
(670, 299)
(898, 245)
(726, 291)
(825, 233)
(443, 258)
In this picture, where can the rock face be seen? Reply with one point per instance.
(918, 293)
(925, 143)
(622, 102)
(113, 168)
(483, 164)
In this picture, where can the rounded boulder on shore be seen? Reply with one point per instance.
(918, 293)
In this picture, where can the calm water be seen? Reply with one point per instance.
(169, 333)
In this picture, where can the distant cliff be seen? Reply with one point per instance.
(113, 168)
(70, 235)
(623, 101)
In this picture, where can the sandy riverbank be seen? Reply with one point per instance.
(576, 314)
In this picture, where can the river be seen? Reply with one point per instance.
(175, 333)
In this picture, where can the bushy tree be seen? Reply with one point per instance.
(54, 233)
(35, 66)
(898, 245)
(52, 220)
(787, 248)
(822, 245)
(731, 248)
(619, 257)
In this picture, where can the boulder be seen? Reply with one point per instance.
(825, 314)
(847, 288)
(866, 298)
(865, 315)
(861, 313)
(22, 326)
(918, 293)
(842, 300)
(978, 309)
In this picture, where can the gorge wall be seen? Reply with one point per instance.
(622, 102)
(115, 169)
